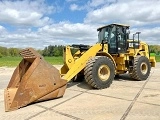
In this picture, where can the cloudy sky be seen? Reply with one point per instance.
(39, 23)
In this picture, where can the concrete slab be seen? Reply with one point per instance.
(1, 94)
(141, 111)
(155, 78)
(156, 73)
(127, 82)
(6, 70)
(150, 96)
(68, 95)
(116, 91)
(78, 86)
(20, 114)
(4, 80)
(153, 85)
(94, 107)
(50, 115)
(82, 102)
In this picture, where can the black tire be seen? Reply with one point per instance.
(99, 72)
(141, 68)
(78, 78)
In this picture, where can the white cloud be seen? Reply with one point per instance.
(29, 39)
(90, 5)
(96, 3)
(150, 36)
(65, 33)
(73, 7)
(25, 13)
(131, 12)
(35, 13)
(2, 29)
(56, 34)
(77, 33)
(71, 0)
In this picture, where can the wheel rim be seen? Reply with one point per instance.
(144, 68)
(104, 72)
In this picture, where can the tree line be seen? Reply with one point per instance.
(56, 50)
(51, 50)
(155, 49)
(9, 51)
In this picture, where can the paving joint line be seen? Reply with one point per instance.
(148, 103)
(128, 86)
(77, 90)
(35, 115)
(61, 113)
(152, 89)
(134, 100)
(67, 115)
(50, 108)
(155, 81)
(99, 94)
(108, 96)
(67, 100)
(140, 87)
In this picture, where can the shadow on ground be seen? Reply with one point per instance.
(82, 84)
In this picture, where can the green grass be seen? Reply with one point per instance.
(54, 60)
(156, 56)
(14, 61)
(9, 61)
(152, 54)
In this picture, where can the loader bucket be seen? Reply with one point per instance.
(33, 80)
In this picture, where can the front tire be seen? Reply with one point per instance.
(141, 68)
(99, 72)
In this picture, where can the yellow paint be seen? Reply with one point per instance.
(73, 64)
(76, 66)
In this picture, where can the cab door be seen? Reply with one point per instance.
(121, 40)
(112, 42)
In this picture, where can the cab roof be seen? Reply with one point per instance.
(113, 24)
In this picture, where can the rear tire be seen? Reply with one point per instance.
(99, 72)
(141, 68)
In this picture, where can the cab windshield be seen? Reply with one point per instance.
(107, 34)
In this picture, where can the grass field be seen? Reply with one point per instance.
(14, 61)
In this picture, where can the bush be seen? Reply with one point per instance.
(1, 55)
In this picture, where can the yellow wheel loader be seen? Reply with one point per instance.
(36, 80)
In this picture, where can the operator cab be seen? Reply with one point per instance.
(115, 35)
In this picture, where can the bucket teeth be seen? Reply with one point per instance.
(33, 80)
(29, 53)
